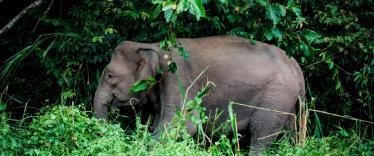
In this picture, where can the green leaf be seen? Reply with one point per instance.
(197, 8)
(144, 15)
(2, 106)
(167, 6)
(290, 3)
(296, 11)
(343, 133)
(310, 35)
(143, 85)
(183, 53)
(224, 1)
(273, 13)
(159, 71)
(156, 12)
(172, 67)
(282, 10)
(182, 6)
(264, 3)
(268, 35)
(139, 86)
(162, 44)
(304, 47)
(169, 14)
(205, 89)
(67, 94)
(330, 63)
(277, 33)
(97, 39)
(110, 31)
(198, 101)
(132, 14)
(338, 85)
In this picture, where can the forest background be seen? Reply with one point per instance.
(55, 52)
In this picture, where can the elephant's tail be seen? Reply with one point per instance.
(300, 79)
(302, 96)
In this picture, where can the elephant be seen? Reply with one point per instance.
(257, 75)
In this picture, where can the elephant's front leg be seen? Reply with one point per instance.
(156, 119)
(171, 100)
(169, 107)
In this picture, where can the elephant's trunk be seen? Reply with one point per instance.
(102, 98)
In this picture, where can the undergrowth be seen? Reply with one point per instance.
(338, 143)
(69, 130)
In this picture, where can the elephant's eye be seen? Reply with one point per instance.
(110, 75)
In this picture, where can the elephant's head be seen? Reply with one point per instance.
(130, 62)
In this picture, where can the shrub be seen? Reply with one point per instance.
(67, 130)
(9, 141)
(338, 143)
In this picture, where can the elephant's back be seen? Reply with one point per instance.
(231, 48)
(235, 56)
(234, 60)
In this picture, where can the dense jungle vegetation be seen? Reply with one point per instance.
(52, 56)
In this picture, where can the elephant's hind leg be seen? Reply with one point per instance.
(265, 124)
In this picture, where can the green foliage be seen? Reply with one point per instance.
(143, 85)
(332, 40)
(343, 69)
(172, 8)
(273, 11)
(340, 143)
(172, 66)
(69, 131)
(9, 141)
(66, 52)
(193, 110)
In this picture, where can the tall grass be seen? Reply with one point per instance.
(69, 130)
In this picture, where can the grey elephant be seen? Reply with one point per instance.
(258, 75)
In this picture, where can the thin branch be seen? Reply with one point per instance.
(19, 15)
(192, 84)
(4, 92)
(271, 110)
(341, 116)
(274, 134)
(44, 15)
(265, 109)
(318, 62)
(23, 115)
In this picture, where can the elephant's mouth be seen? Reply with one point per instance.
(120, 102)
(124, 102)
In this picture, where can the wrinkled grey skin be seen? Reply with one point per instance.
(259, 75)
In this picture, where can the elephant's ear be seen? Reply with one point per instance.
(147, 64)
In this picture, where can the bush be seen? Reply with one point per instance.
(9, 141)
(338, 143)
(67, 130)
(342, 73)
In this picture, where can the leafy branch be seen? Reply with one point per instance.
(171, 11)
